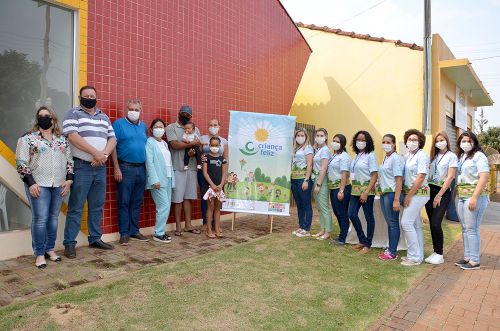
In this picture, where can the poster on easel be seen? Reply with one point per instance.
(260, 155)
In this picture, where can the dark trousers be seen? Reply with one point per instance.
(197, 155)
(204, 204)
(341, 209)
(354, 206)
(130, 198)
(451, 212)
(436, 217)
(303, 202)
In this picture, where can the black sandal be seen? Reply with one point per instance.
(56, 258)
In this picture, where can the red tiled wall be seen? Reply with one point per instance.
(216, 55)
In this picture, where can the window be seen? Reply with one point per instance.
(36, 62)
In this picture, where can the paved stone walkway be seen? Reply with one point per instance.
(20, 279)
(449, 298)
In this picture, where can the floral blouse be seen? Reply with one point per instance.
(43, 162)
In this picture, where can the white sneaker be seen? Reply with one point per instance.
(186, 168)
(303, 233)
(409, 262)
(436, 259)
(430, 257)
(296, 231)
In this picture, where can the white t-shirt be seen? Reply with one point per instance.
(468, 174)
(440, 166)
(166, 155)
(390, 168)
(415, 164)
(190, 137)
(322, 153)
(338, 163)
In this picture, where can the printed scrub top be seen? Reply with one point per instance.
(338, 163)
(299, 162)
(468, 174)
(322, 153)
(391, 167)
(439, 167)
(415, 164)
(361, 168)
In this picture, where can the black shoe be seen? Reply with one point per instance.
(469, 266)
(124, 240)
(461, 263)
(70, 252)
(163, 239)
(56, 258)
(337, 242)
(139, 236)
(101, 245)
(41, 265)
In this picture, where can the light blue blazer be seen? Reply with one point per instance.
(157, 171)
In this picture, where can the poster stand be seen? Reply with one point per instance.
(270, 218)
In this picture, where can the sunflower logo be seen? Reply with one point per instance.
(261, 135)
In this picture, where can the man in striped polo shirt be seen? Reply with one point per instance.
(92, 139)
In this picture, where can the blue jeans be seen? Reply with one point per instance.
(204, 203)
(340, 209)
(45, 213)
(471, 220)
(130, 197)
(303, 201)
(392, 220)
(89, 185)
(354, 206)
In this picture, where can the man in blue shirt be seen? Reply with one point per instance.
(129, 160)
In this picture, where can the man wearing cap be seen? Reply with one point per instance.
(185, 180)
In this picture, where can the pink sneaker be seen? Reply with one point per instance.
(387, 256)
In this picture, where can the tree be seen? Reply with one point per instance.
(481, 122)
(490, 138)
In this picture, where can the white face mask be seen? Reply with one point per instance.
(387, 147)
(335, 145)
(213, 130)
(320, 140)
(441, 144)
(133, 116)
(412, 145)
(466, 147)
(158, 132)
(214, 150)
(360, 144)
(300, 140)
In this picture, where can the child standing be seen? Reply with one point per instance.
(189, 136)
(215, 173)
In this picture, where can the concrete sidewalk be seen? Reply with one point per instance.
(449, 298)
(20, 279)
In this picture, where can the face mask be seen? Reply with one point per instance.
(335, 145)
(133, 116)
(183, 119)
(360, 144)
(158, 132)
(387, 147)
(213, 130)
(412, 145)
(466, 147)
(44, 122)
(441, 145)
(320, 140)
(300, 140)
(88, 103)
(214, 150)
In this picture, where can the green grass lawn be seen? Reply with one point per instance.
(277, 282)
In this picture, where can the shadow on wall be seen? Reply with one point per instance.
(339, 115)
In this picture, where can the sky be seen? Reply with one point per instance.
(470, 28)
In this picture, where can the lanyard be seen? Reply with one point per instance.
(462, 161)
(409, 159)
(437, 162)
(356, 159)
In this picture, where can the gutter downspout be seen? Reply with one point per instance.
(427, 68)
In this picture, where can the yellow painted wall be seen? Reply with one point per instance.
(353, 84)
